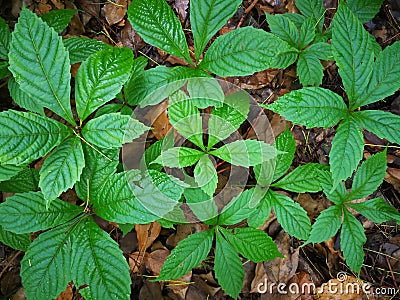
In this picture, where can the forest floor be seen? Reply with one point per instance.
(147, 247)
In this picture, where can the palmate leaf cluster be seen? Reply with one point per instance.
(79, 148)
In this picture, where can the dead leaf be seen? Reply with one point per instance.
(151, 291)
(156, 260)
(282, 269)
(115, 10)
(67, 294)
(393, 177)
(137, 261)
(147, 234)
(19, 295)
(180, 286)
(181, 7)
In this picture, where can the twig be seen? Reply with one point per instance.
(246, 12)
(9, 263)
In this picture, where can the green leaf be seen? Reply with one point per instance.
(40, 64)
(311, 106)
(309, 69)
(179, 157)
(157, 24)
(137, 70)
(154, 151)
(377, 210)
(285, 59)
(228, 267)
(100, 78)
(61, 169)
(285, 29)
(157, 84)
(189, 253)
(337, 194)
(286, 143)
(205, 92)
(115, 202)
(47, 264)
(245, 153)
(98, 262)
(169, 185)
(322, 50)
(99, 166)
(9, 171)
(25, 181)
(384, 80)
(113, 108)
(80, 49)
(207, 18)
(353, 53)
(112, 130)
(260, 213)
(13, 240)
(352, 239)
(28, 212)
(254, 244)
(206, 175)
(185, 118)
(59, 18)
(264, 174)
(364, 10)
(4, 71)
(303, 179)
(82, 247)
(22, 143)
(227, 119)
(326, 225)
(241, 52)
(314, 9)
(237, 209)
(297, 19)
(5, 37)
(292, 217)
(383, 124)
(307, 33)
(201, 204)
(23, 99)
(126, 228)
(369, 176)
(347, 149)
(152, 197)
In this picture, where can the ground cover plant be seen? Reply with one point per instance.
(83, 109)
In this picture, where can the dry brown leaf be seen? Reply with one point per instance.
(58, 4)
(115, 10)
(313, 207)
(19, 295)
(156, 260)
(68, 294)
(181, 7)
(393, 177)
(147, 234)
(180, 286)
(182, 232)
(151, 291)
(137, 261)
(282, 269)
